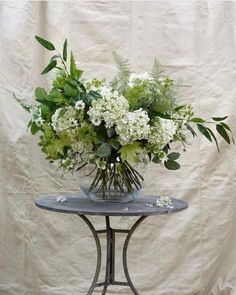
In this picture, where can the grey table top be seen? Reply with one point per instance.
(81, 205)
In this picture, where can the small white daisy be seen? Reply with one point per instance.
(79, 105)
(39, 121)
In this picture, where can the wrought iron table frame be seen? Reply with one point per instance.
(110, 259)
(83, 207)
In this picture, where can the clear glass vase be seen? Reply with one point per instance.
(115, 182)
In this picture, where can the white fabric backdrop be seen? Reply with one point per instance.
(190, 253)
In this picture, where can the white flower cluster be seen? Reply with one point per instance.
(133, 126)
(61, 122)
(36, 116)
(184, 115)
(81, 147)
(136, 78)
(163, 201)
(68, 163)
(108, 109)
(162, 132)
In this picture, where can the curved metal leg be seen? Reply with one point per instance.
(125, 254)
(99, 253)
(110, 260)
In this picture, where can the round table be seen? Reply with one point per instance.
(82, 206)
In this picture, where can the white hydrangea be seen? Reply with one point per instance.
(64, 121)
(110, 108)
(133, 126)
(135, 78)
(162, 132)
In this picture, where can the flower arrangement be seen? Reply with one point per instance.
(113, 126)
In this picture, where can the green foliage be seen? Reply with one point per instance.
(157, 70)
(40, 94)
(65, 50)
(222, 131)
(219, 118)
(33, 127)
(171, 165)
(173, 156)
(70, 91)
(86, 133)
(197, 120)
(130, 152)
(120, 81)
(104, 150)
(53, 146)
(214, 138)
(138, 96)
(73, 71)
(156, 159)
(46, 44)
(49, 67)
(163, 96)
(204, 131)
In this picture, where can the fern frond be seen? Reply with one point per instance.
(157, 70)
(120, 81)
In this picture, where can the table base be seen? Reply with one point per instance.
(110, 259)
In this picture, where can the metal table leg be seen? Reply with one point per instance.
(110, 259)
(99, 254)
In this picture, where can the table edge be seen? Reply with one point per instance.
(127, 214)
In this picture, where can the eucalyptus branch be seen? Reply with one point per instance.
(63, 62)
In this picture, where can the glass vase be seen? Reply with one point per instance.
(112, 182)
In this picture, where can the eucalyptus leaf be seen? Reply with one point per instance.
(111, 132)
(65, 50)
(156, 159)
(49, 67)
(191, 130)
(104, 150)
(179, 108)
(55, 57)
(227, 128)
(163, 115)
(173, 156)
(73, 71)
(114, 143)
(219, 118)
(204, 131)
(197, 120)
(221, 130)
(215, 139)
(48, 45)
(172, 165)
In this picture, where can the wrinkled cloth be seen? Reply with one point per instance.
(189, 253)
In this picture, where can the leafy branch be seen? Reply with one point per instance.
(221, 127)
